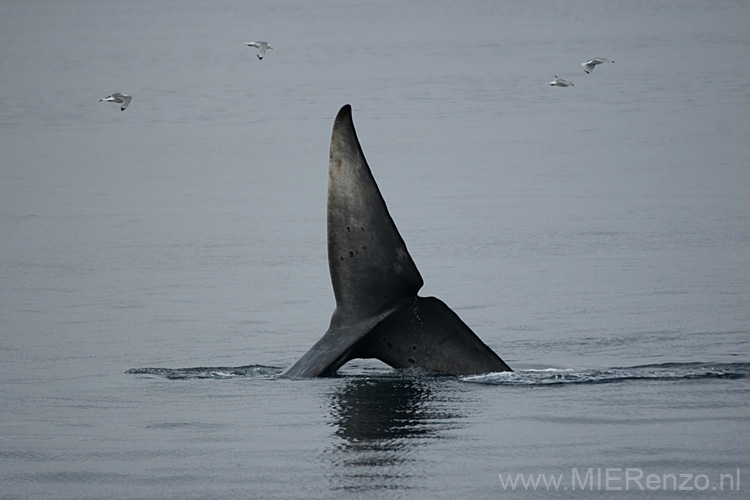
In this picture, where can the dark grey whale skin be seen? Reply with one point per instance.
(378, 312)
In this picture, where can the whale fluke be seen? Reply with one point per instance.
(375, 282)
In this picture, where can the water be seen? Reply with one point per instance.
(162, 265)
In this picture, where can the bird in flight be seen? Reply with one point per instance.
(118, 98)
(560, 82)
(589, 65)
(261, 46)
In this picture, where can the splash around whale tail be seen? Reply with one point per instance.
(375, 281)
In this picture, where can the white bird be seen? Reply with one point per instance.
(559, 82)
(261, 46)
(118, 98)
(589, 65)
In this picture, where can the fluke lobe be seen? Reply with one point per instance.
(378, 312)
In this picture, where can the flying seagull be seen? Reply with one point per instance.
(261, 46)
(589, 65)
(559, 82)
(118, 98)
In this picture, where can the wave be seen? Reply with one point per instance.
(217, 372)
(657, 372)
(529, 377)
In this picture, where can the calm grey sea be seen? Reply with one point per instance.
(160, 266)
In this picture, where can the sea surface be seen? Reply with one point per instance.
(161, 266)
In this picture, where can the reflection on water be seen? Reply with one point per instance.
(382, 424)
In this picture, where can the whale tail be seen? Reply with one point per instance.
(375, 281)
